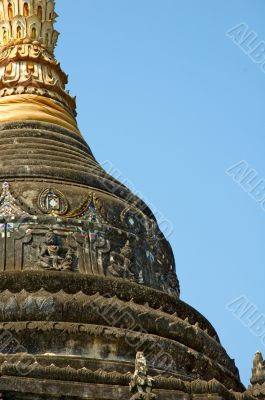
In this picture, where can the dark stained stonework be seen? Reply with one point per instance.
(94, 224)
(87, 280)
(101, 320)
(87, 329)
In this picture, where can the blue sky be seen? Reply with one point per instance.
(172, 102)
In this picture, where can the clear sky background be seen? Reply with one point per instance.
(172, 102)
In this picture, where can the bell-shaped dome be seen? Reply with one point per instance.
(87, 278)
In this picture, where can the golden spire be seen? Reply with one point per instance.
(32, 83)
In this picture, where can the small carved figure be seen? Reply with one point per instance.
(258, 360)
(141, 384)
(52, 255)
(258, 371)
(120, 263)
(67, 263)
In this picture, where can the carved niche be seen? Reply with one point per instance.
(56, 256)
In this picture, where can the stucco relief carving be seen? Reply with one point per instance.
(98, 246)
(120, 265)
(28, 19)
(27, 42)
(141, 384)
(52, 201)
(54, 255)
(9, 207)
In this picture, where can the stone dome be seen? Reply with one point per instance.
(87, 279)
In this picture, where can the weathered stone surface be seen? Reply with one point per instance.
(87, 279)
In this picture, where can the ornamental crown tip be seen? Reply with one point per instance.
(28, 19)
(27, 62)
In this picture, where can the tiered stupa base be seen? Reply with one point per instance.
(77, 335)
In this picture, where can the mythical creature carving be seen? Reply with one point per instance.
(141, 384)
(53, 256)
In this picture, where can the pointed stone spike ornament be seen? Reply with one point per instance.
(257, 387)
(258, 371)
(9, 207)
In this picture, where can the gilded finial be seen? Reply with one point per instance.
(30, 77)
(29, 21)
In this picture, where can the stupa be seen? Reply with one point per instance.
(87, 280)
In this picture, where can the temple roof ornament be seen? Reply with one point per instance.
(258, 370)
(32, 83)
(29, 21)
(9, 207)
